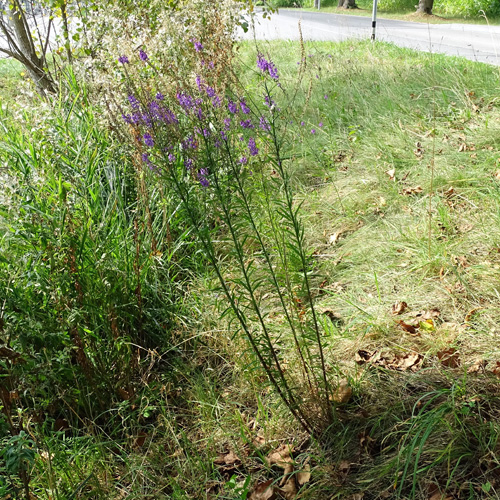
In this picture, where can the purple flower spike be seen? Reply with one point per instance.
(202, 177)
(123, 60)
(160, 96)
(188, 163)
(171, 157)
(199, 83)
(232, 106)
(243, 160)
(263, 124)
(254, 151)
(244, 107)
(143, 55)
(148, 140)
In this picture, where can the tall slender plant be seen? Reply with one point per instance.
(223, 157)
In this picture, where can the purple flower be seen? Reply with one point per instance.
(188, 163)
(143, 55)
(197, 45)
(217, 143)
(148, 140)
(227, 123)
(148, 162)
(254, 151)
(268, 101)
(326, 96)
(320, 124)
(264, 125)
(302, 124)
(267, 66)
(223, 135)
(123, 60)
(313, 131)
(232, 106)
(199, 82)
(160, 96)
(202, 177)
(133, 102)
(206, 133)
(127, 119)
(262, 64)
(210, 92)
(185, 100)
(243, 160)
(211, 64)
(244, 107)
(216, 102)
(171, 157)
(246, 123)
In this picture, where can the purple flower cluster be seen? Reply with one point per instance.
(197, 45)
(123, 60)
(148, 140)
(244, 107)
(185, 100)
(143, 55)
(252, 147)
(264, 124)
(267, 67)
(232, 107)
(246, 123)
(202, 177)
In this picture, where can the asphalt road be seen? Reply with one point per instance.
(475, 42)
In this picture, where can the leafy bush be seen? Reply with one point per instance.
(469, 8)
(397, 5)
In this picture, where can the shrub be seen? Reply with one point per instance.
(469, 8)
(397, 5)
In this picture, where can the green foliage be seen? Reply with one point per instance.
(469, 8)
(396, 5)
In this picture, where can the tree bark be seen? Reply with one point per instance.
(347, 4)
(22, 47)
(425, 6)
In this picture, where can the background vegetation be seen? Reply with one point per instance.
(125, 366)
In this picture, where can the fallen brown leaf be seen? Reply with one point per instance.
(280, 456)
(471, 313)
(229, 458)
(413, 190)
(423, 315)
(449, 357)
(399, 307)
(263, 491)
(478, 366)
(289, 489)
(343, 393)
(304, 476)
(408, 328)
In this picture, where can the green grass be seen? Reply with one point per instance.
(11, 75)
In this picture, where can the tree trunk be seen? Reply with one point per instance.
(347, 4)
(425, 6)
(22, 48)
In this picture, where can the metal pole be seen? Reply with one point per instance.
(374, 19)
(319, 4)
